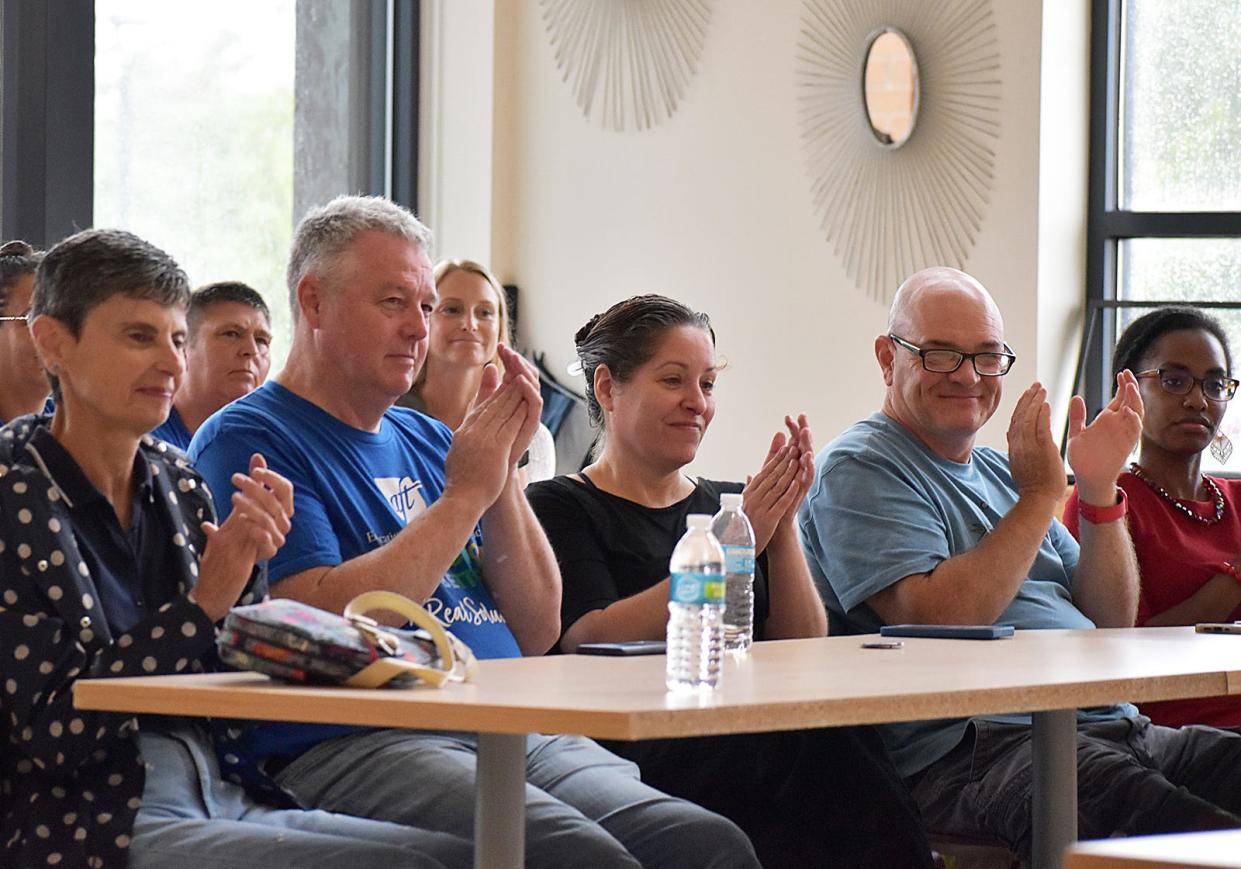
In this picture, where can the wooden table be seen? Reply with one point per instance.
(1216, 850)
(784, 685)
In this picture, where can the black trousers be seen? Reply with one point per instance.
(806, 798)
(1133, 778)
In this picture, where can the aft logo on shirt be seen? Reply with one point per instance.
(404, 496)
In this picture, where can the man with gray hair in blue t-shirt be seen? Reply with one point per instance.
(388, 498)
(908, 521)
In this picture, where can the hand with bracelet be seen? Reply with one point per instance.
(1231, 569)
(1097, 452)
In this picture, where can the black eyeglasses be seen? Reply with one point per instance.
(1175, 381)
(988, 364)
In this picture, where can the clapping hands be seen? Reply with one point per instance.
(262, 511)
(772, 495)
(1032, 454)
(496, 431)
(1097, 452)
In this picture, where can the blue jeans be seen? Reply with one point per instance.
(191, 817)
(585, 807)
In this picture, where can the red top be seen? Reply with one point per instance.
(1176, 557)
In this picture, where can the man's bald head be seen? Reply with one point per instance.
(940, 309)
(932, 289)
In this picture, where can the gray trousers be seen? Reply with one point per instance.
(585, 807)
(1133, 778)
(190, 817)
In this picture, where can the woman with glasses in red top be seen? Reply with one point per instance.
(23, 386)
(1186, 525)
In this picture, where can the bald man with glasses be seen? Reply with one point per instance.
(908, 521)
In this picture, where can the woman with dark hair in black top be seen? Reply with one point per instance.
(825, 797)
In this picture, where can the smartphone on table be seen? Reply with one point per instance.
(625, 649)
(948, 632)
(1218, 627)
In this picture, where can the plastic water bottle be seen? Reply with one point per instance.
(696, 609)
(732, 528)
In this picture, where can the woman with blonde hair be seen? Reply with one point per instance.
(468, 324)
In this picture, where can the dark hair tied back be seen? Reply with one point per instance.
(17, 258)
(584, 332)
(16, 248)
(1136, 341)
(625, 337)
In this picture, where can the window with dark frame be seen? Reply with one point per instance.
(1164, 223)
(190, 126)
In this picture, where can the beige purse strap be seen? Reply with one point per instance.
(382, 670)
(456, 662)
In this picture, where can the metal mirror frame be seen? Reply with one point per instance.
(882, 138)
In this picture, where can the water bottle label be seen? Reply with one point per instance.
(697, 588)
(739, 559)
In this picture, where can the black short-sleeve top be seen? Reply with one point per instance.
(610, 548)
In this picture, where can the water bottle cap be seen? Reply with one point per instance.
(697, 521)
(731, 500)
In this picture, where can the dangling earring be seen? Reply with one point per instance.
(1221, 448)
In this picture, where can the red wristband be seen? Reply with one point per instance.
(1099, 515)
(1226, 567)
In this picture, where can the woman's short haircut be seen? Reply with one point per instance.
(16, 259)
(86, 269)
(1136, 341)
(446, 267)
(327, 232)
(626, 336)
(222, 291)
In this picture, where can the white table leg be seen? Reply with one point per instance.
(1055, 786)
(500, 802)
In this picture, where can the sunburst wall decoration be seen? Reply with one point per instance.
(628, 62)
(890, 211)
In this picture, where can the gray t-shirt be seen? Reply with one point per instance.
(883, 507)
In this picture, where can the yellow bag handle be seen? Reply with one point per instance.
(457, 662)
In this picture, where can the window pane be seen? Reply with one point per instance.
(194, 136)
(1181, 106)
(1182, 270)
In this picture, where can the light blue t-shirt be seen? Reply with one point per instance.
(353, 491)
(883, 507)
(173, 431)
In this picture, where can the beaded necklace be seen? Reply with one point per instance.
(1216, 495)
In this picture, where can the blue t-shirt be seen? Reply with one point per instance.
(173, 431)
(883, 507)
(49, 408)
(353, 491)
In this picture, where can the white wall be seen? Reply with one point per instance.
(455, 125)
(713, 208)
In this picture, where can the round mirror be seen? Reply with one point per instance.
(890, 87)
